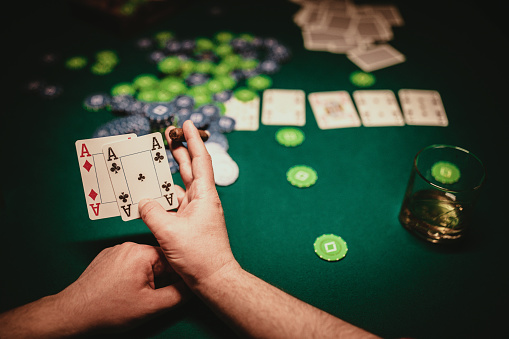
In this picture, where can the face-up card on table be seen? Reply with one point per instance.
(99, 195)
(284, 107)
(334, 110)
(423, 107)
(246, 114)
(139, 169)
(378, 108)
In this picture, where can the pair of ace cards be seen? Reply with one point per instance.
(119, 171)
(378, 108)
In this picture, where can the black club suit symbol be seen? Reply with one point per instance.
(166, 186)
(141, 177)
(159, 157)
(115, 168)
(123, 196)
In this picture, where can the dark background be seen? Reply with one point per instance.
(390, 283)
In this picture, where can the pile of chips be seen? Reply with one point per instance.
(192, 81)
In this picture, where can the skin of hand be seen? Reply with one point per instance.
(117, 289)
(193, 238)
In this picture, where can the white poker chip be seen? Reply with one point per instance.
(226, 170)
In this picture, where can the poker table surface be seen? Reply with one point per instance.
(390, 282)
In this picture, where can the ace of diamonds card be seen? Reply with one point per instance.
(139, 169)
(99, 195)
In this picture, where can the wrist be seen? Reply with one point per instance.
(218, 280)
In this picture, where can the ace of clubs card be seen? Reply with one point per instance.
(99, 196)
(139, 169)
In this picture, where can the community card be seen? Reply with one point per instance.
(334, 110)
(139, 169)
(422, 107)
(284, 107)
(99, 196)
(246, 114)
(378, 108)
(375, 58)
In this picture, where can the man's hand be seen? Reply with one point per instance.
(117, 290)
(194, 238)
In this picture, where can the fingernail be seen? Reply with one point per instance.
(143, 201)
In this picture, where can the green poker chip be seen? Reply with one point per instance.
(445, 172)
(290, 136)
(259, 82)
(244, 94)
(123, 88)
(362, 79)
(76, 62)
(169, 65)
(301, 176)
(330, 247)
(145, 82)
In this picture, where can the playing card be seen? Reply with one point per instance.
(422, 107)
(375, 58)
(378, 108)
(139, 169)
(246, 114)
(99, 196)
(334, 110)
(284, 107)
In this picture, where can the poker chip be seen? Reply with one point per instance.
(76, 62)
(145, 82)
(226, 170)
(50, 91)
(226, 124)
(290, 136)
(362, 79)
(96, 101)
(244, 94)
(330, 247)
(445, 172)
(259, 82)
(123, 88)
(301, 176)
(101, 69)
(169, 65)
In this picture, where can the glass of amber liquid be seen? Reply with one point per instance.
(444, 186)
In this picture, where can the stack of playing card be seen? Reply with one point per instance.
(360, 31)
(119, 171)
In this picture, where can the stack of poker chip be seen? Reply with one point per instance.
(192, 81)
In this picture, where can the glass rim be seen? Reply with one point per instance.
(435, 146)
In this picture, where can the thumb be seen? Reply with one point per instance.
(154, 215)
(171, 295)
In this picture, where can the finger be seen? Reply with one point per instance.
(181, 193)
(181, 155)
(200, 158)
(154, 216)
(170, 296)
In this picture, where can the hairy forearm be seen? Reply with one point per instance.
(257, 309)
(43, 318)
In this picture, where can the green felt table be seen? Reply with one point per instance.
(390, 282)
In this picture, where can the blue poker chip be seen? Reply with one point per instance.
(195, 79)
(132, 124)
(223, 96)
(34, 86)
(199, 119)
(156, 56)
(226, 124)
(188, 45)
(97, 101)
(50, 91)
(269, 66)
(144, 44)
(220, 139)
(279, 53)
(120, 103)
(173, 47)
(136, 107)
(211, 111)
(183, 115)
(184, 101)
(270, 42)
(174, 166)
(160, 114)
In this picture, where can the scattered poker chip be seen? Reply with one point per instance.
(259, 82)
(290, 136)
(51, 91)
(96, 101)
(123, 88)
(362, 79)
(445, 172)
(76, 62)
(301, 176)
(330, 247)
(99, 68)
(244, 94)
